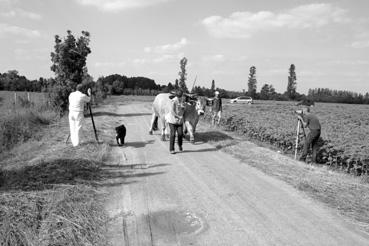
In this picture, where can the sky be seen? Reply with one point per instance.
(326, 40)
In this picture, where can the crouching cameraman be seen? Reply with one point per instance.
(312, 122)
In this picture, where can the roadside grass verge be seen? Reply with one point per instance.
(49, 191)
(348, 195)
(24, 122)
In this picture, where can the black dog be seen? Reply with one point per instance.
(121, 134)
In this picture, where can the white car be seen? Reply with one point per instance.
(243, 99)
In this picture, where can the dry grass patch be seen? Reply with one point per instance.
(49, 193)
(65, 215)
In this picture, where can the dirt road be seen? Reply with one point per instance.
(204, 196)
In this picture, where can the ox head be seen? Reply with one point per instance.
(198, 101)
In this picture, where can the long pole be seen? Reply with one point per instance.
(93, 122)
(297, 138)
(303, 129)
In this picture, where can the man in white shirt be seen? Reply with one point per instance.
(77, 101)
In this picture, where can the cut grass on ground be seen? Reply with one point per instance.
(346, 194)
(49, 191)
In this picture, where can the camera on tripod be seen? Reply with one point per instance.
(299, 112)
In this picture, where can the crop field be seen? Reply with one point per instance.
(345, 130)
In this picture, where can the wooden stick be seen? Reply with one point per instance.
(93, 122)
(297, 138)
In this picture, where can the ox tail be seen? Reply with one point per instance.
(155, 124)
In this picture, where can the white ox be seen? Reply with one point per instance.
(194, 107)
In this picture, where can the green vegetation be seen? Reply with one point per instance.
(48, 191)
(55, 200)
(183, 75)
(252, 82)
(346, 194)
(345, 132)
(23, 121)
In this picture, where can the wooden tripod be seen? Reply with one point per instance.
(298, 130)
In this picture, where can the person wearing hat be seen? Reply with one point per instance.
(77, 101)
(217, 109)
(175, 120)
(312, 122)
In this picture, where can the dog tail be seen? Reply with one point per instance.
(155, 124)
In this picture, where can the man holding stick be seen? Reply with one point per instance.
(76, 105)
(312, 122)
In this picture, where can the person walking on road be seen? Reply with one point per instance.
(312, 122)
(77, 101)
(175, 120)
(217, 109)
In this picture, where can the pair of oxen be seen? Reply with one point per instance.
(194, 108)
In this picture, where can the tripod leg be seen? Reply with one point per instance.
(66, 141)
(297, 138)
(303, 130)
(93, 123)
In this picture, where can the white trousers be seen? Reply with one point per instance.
(75, 125)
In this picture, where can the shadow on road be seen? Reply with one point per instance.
(138, 166)
(200, 150)
(213, 136)
(53, 173)
(118, 176)
(134, 144)
(98, 114)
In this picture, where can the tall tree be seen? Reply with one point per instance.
(68, 64)
(291, 86)
(69, 58)
(252, 82)
(183, 75)
(212, 86)
(176, 84)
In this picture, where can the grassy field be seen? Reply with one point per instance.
(22, 119)
(7, 101)
(48, 193)
(345, 129)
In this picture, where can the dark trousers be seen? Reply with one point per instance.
(311, 139)
(173, 129)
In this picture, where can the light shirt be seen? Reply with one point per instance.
(175, 112)
(77, 100)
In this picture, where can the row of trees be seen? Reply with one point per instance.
(69, 65)
(268, 92)
(12, 81)
(337, 96)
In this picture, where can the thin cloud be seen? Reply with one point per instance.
(245, 24)
(119, 5)
(6, 29)
(361, 40)
(139, 61)
(20, 13)
(162, 58)
(109, 64)
(31, 54)
(214, 58)
(167, 48)
(360, 44)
